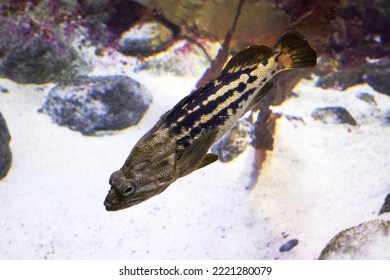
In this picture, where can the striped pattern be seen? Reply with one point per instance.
(219, 103)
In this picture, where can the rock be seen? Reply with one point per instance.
(369, 241)
(380, 82)
(38, 61)
(370, 99)
(288, 245)
(3, 89)
(357, 51)
(377, 76)
(260, 21)
(94, 6)
(387, 118)
(37, 39)
(292, 118)
(97, 103)
(342, 79)
(5, 151)
(386, 205)
(374, 74)
(234, 142)
(106, 20)
(114, 16)
(333, 115)
(145, 39)
(182, 59)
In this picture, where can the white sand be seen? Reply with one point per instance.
(320, 179)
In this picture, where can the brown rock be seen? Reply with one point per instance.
(260, 21)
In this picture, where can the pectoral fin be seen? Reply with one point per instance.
(195, 156)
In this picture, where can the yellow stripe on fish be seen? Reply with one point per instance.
(179, 142)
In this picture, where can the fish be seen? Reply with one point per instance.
(178, 144)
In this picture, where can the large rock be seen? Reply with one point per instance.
(357, 53)
(369, 240)
(38, 61)
(377, 76)
(260, 21)
(97, 103)
(37, 45)
(145, 39)
(5, 151)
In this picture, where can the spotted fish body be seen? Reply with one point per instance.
(179, 142)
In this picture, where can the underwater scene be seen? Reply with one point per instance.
(194, 129)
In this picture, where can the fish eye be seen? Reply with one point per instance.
(128, 190)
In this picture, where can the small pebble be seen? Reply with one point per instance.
(370, 99)
(386, 205)
(4, 90)
(333, 115)
(288, 245)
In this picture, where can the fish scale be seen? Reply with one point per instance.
(178, 144)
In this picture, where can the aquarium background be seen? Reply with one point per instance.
(82, 81)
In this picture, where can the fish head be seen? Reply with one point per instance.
(149, 169)
(126, 191)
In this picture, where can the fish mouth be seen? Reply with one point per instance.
(119, 206)
(112, 207)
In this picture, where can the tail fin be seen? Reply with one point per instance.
(294, 51)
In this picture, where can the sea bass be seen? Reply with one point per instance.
(179, 142)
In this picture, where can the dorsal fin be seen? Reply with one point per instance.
(252, 55)
(171, 115)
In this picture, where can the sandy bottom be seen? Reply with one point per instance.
(319, 180)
